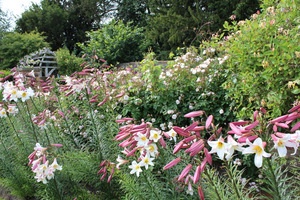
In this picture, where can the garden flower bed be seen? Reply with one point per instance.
(198, 128)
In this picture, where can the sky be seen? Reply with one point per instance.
(16, 7)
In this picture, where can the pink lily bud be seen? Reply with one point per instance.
(255, 115)
(197, 174)
(243, 139)
(93, 100)
(294, 109)
(69, 93)
(44, 159)
(162, 142)
(208, 121)
(212, 137)
(293, 116)
(275, 129)
(56, 145)
(279, 119)
(178, 147)
(102, 60)
(189, 139)
(263, 110)
(132, 152)
(241, 123)
(219, 130)
(32, 155)
(42, 122)
(194, 146)
(185, 171)
(202, 166)
(200, 192)
(123, 136)
(251, 126)
(103, 176)
(95, 96)
(61, 113)
(172, 163)
(197, 149)
(208, 156)
(295, 127)
(181, 131)
(101, 103)
(120, 95)
(82, 64)
(102, 163)
(283, 125)
(166, 135)
(274, 137)
(192, 126)
(199, 128)
(194, 114)
(2, 73)
(235, 129)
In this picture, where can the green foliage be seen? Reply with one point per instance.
(279, 182)
(185, 23)
(13, 46)
(68, 63)
(116, 43)
(4, 23)
(64, 23)
(6, 73)
(264, 62)
(133, 11)
(217, 186)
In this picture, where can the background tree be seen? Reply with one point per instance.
(135, 11)
(4, 23)
(65, 22)
(175, 23)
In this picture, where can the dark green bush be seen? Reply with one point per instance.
(116, 42)
(14, 46)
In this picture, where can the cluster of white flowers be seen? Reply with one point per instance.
(148, 151)
(13, 93)
(11, 109)
(44, 172)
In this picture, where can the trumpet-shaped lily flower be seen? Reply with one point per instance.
(154, 135)
(282, 143)
(218, 147)
(136, 168)
(231, 146)
(258, 148)
(146, 161)
(141, 139)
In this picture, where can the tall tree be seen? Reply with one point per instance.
(4, 23)
(134, 11)
(176, 23)
(64, 22)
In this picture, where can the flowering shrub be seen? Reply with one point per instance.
(263, 64)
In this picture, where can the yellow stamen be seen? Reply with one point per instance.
(220, 145)
(258, 150)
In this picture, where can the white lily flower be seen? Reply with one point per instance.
(218, 147)
(136, 168)
(258, 148)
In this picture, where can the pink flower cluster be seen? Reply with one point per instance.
(245, 131)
